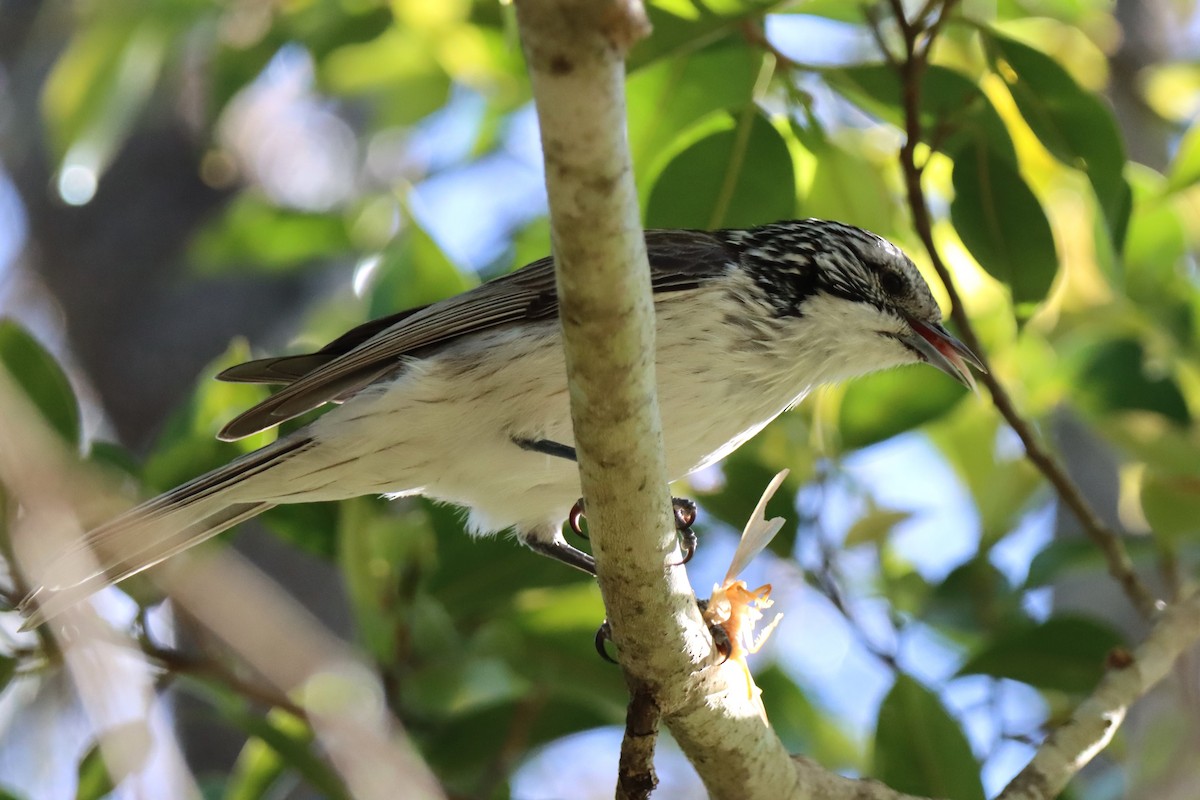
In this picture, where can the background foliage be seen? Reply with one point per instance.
(179, 175)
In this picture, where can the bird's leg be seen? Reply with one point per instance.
(565, 553)
(546, 447)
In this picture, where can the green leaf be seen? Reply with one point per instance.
(127, 746)
(975, 597)
(414, 271)
(253, 234)
(1064, 558)
(884, 404)
(874, 527)
(953, 111)
(1075, 125)
(311, 527)
(293, 741)
(1064, 654)
(1185, 167)
(846, 186)
(41, 378)
(8, 668)
(98, 87)
(1171, 503)
(1116, 378)
(188, 445)
(256, 770)
(737, 177)
(1001, 222)
(400, 63)
(683, 25)
(920, 748)
(668, 98)
(1001, 488)
(803, 727)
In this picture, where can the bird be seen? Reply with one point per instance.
(465, 400)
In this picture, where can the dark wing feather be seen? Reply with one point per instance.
(679, 260)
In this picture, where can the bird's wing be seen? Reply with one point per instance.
(679, 260)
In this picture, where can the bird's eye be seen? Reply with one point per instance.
(892, 283)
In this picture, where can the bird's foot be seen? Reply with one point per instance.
(685, 517)
(684, 511)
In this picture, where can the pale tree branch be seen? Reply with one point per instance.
(575, 50)
(1092, 725)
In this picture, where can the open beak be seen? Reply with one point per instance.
(938, 348)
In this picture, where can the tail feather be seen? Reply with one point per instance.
(154, 531)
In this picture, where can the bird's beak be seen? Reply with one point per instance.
(939, 349)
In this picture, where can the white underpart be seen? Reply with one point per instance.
(444, 428)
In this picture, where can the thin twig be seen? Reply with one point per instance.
(176, 662)
(1120, 566)
(636, 778)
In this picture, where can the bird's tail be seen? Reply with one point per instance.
(153, 532)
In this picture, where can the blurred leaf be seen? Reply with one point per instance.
(737, 177)
(683, 25)
(414, 271)
(874, 526)
(1001, 222)
(1063, 654)
(920, 748)
(1171, 503)
(803, 727)
(98, 87)
(953, 109)
(1156, 248)
(8, 668)
(129, 745)
(1075, 125)
(1001, 487)
(188, 445)
(256, 771)
(311, 527)
(401, 63)
(41, 378)
(293, 741)
(1115, 379)
(1153, 439)
(383, 556)
(253, 234)
(975, 598)
(668, 98)
(94, 782)
(1073, 557)
(1185, 166)
(846, 186)
(884, 404)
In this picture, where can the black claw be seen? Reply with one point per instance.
(685, 517)
(576, 517)
(603, 635)
(685, 513)
(687, 541)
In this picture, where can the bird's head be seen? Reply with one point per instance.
(851, 301)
